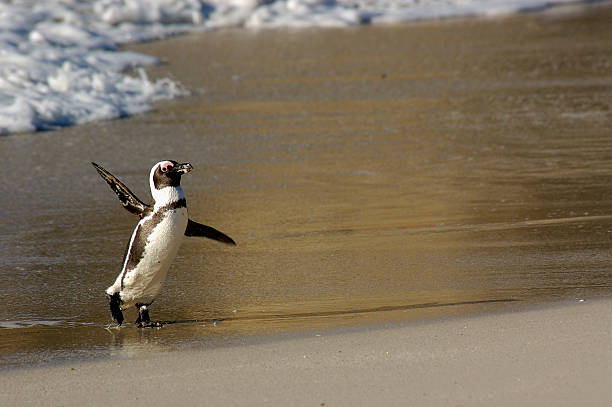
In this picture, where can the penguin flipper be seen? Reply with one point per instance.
(127, 197)
(197, 229)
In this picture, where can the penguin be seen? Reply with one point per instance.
(155, 239)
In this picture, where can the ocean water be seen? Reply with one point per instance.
(61, 63)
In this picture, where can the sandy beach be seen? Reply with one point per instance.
(557, 355)
(422, 214)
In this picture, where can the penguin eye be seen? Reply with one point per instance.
(166, 167)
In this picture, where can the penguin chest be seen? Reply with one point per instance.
(153, 247)
(163, 241)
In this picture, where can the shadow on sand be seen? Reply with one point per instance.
(157, 324)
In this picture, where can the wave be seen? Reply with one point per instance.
(60, 64)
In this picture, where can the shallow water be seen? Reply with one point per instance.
(369, 176)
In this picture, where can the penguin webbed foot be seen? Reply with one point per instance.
(143, 320)
(149, 324)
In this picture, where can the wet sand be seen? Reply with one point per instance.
(370, 176)
(558, 355)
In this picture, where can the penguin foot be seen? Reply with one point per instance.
(149, 324)
(143, 320)
(115, 308)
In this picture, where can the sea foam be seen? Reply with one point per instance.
(60, 64)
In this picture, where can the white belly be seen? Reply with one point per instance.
(142, 283)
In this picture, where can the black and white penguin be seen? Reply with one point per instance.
(155, 240)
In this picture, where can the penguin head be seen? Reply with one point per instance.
(168, 174)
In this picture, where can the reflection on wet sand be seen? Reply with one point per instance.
(372, 175)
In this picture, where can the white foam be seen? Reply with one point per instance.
(59, 63)
(59, 66)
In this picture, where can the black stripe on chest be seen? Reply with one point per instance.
(136, 251)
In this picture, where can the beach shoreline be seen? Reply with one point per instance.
(553, 354)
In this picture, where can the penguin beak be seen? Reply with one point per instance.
(182, 168)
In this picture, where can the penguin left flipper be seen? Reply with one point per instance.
(197, 229)
(127, 197)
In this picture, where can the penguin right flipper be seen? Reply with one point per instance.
(197, 229)
(127, 197)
